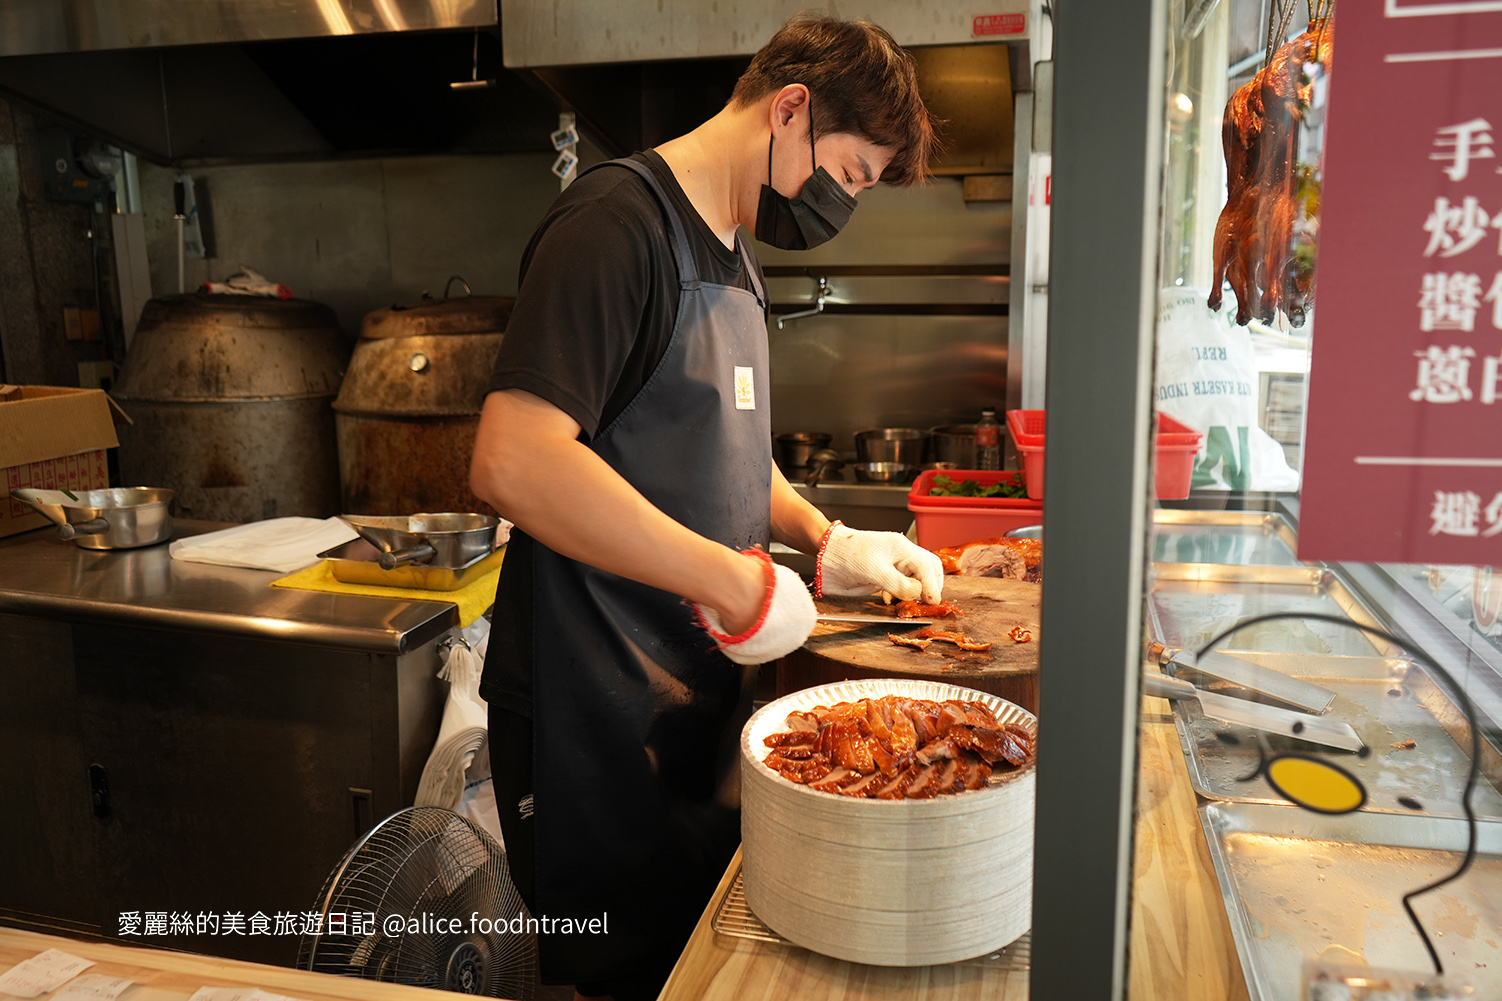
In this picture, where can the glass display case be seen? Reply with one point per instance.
(1344, 869)
(1322, 854)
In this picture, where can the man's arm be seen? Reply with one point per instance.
(529, 465)
(796, 523)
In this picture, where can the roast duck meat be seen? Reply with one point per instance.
(1265, 237)
(1013, 559)
(897, 748)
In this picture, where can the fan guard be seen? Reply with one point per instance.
(425, 899)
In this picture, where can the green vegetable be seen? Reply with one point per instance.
(69, 494)
(944, 486)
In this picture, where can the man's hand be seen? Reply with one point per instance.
(853, 562)
(783, 623)
(530, 466)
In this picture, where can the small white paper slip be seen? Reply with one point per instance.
(222, 994)
(41, 973)
(93, 987)
(260, 995)
(237, 994)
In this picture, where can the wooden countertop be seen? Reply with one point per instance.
(1181, 944)
(174, 976)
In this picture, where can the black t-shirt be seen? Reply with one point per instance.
(593, 317)
(599, 293)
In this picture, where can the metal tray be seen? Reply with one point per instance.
(1239, 538)
(1301, 885)
(355, 563)
(1387, 700)
(1192, 602)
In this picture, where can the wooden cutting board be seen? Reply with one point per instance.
(992, 607)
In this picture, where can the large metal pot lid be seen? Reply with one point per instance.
(236, 311)
(452, 314)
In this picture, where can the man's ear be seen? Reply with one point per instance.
(786, 104)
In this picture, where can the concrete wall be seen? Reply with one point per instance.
(358, 235)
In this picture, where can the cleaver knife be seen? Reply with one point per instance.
(887, 620)
(1253, 677)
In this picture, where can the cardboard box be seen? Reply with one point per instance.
(54, 438)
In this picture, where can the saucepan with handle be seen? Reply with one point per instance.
(449, 539)
(114, 518)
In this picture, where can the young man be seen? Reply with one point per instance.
(626, 434)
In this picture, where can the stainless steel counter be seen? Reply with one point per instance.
(44, 576)
(873, 506)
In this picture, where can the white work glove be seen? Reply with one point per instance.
(787, 617)
(853, 562)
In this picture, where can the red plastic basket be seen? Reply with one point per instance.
(1026, 427)
(950, 521)
(1175, 448)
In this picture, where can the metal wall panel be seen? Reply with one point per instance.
(560, 32)
(843, 373)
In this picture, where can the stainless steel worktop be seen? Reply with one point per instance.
(42, 575)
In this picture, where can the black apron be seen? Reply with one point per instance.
(636, 717)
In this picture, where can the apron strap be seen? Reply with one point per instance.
(688, 275)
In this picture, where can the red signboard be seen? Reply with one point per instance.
(998, 24)
(1403, 447)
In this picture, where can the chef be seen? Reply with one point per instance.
(626, 433)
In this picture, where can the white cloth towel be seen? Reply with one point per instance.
(280, 544)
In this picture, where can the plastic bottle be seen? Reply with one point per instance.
(988, 440)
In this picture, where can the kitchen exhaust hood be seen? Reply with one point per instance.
(637, 72)
(194, 81)
(30, 27)
(187, 82)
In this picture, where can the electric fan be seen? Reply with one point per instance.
(424, 899)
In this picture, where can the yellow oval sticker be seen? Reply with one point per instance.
(1315, 784)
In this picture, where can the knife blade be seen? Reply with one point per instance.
(874, 620)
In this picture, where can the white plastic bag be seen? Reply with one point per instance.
(463, 736)
(1207, 378)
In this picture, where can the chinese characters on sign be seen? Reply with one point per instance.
(1403, 446)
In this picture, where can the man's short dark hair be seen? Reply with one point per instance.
(863, 83)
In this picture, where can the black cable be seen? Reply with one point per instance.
(1470, 714)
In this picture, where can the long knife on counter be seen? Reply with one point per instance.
(887, 620)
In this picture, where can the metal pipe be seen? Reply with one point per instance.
(1196, 15)
(180, 213)
(1240, 66)
(818, 305)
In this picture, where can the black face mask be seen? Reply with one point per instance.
(817, 214)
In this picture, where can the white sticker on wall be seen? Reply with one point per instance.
(745, 388)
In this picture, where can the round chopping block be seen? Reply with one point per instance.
(993, 607)
(887, 882)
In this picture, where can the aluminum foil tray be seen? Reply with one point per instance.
(1387, 700)
(1239, 538)
(1306, 886)
(355, 563)
(1192, 602)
